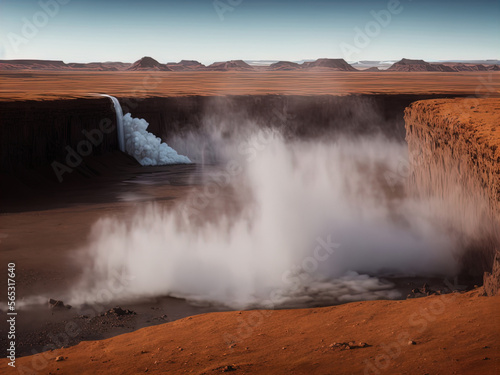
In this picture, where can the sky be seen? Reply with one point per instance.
(220, 30)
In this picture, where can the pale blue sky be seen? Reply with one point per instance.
(91, 30)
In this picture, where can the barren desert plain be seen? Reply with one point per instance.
(37, 85)
(444, 126)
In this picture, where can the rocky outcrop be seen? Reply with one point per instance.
(491, 280)
(148, 64)
(454, 147)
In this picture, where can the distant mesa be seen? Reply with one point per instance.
(443, 68)
(408, 65)
(59, 65)
(97, 66)
(236, 65)
(467, 67)
(186, 65)
(91, 66)
(324, 64)
(32, 65)
(285, 65)
(147, 64)
(329, 64)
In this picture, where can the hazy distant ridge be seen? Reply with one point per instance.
(324, 64)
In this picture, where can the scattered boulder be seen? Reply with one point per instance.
(163, 317)
(59, 358)
(58, 305)
(118, 311)
(425, 290)
(491, 280)
(349, 345)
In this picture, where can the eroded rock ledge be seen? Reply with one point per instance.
(454, 147)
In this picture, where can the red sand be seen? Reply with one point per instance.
(52, 85)
(451, 334)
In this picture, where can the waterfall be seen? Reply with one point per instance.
(119, 121)
(145, 147)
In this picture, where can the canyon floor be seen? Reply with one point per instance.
(454, 333)
(448, 334)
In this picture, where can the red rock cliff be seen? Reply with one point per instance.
(454, 147)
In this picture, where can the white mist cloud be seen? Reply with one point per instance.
(252, 238)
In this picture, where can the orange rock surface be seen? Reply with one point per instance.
(462, 134)
(448, 334)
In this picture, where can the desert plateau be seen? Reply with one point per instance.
(250, 188)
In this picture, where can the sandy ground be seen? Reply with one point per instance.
(480, 118)
(448, 334)
(51, 85)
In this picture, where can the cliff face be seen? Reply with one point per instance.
(295, 115)
(36, 133)
(454, 147)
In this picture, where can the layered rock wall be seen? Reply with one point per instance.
(36, 133)
(454, 147)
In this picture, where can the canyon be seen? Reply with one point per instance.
(452, 139)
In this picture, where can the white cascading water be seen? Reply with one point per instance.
(145, 147)
(119, 121)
